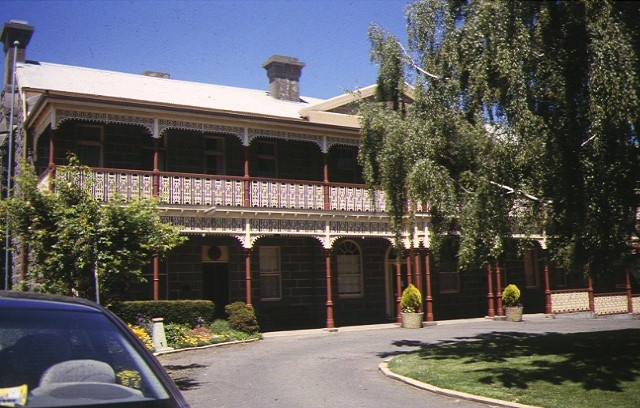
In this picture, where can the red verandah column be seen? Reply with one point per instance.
(247, 274)
(52, 164)
(498, 289)
(491, 312)
(547, 287)
(428, 299)
(327, 258)
(398, 290)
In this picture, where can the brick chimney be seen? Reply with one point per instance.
(12, 31)
(284, 77)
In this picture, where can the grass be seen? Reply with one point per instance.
(595, 369)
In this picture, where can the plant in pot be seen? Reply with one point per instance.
(511, 304)
(410, 305)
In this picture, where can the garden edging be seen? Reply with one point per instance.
(384, 367)
(204, 347)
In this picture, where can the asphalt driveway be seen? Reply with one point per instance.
(316, 368)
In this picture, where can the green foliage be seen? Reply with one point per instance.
(185, 312)
(71, 236)
(512, 130)
(242, 317)
(510, 295)
(411, 299)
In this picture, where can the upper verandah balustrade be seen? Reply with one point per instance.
(183, 189)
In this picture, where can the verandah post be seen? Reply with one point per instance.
(247, 274)
(498, 289)
(491, 311)
(329, 304)
(428, 299)
(547, 288)
(398, 290)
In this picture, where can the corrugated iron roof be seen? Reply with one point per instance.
(142, 88)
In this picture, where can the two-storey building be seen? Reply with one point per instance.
(265, 184)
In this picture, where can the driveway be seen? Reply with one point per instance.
(316, 368)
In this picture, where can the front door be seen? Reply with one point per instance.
(215, 285)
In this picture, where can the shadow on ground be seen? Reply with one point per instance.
(183, 376)
(597, 360)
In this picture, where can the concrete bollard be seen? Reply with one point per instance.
(157, 335)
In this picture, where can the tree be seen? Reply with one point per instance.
(524, 123)
(72, 238)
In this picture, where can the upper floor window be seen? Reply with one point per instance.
(214, 154)
(89, 144)
(349, 269)
(266, 159)
(343, 165)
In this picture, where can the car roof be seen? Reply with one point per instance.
(33, 300)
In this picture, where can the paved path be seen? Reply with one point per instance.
(316, 368)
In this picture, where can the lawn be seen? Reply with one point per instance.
(595, 369)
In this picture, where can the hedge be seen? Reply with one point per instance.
(190, 312)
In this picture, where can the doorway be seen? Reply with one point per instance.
(215, 285)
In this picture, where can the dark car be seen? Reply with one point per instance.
(58, 351)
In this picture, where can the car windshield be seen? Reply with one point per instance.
(60, 358)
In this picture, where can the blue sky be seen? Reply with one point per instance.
(218, 41)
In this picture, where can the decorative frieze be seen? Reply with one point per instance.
(63, 115)
(276, 134)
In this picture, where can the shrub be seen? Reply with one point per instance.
(510, 296)
(242, 317)
(411, 299)
(189, 312)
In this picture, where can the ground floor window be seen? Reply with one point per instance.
(531, 268)
(448, 276)
(349, 269)
(270, 273)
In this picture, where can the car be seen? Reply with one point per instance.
(59, 351)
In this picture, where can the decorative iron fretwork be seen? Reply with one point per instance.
(342, 198)
(200, 191)
(275, 134)
(564, 302)
(287, 195)
(206, 224)
(63, 115)
(164, 125)
(611, 304)
(359, 227)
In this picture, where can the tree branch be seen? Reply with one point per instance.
(413, 63)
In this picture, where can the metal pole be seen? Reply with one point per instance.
(10, 164)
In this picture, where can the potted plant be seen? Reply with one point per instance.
(510, 301)
(410, 305)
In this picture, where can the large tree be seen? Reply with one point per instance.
(524, 123)
(72, 238)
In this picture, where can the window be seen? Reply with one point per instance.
(531, 268)
(344, 167)
(89, 141)
(266, 164)
(448, 276)
(270, 274)
(349, 269)
(214, 154)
